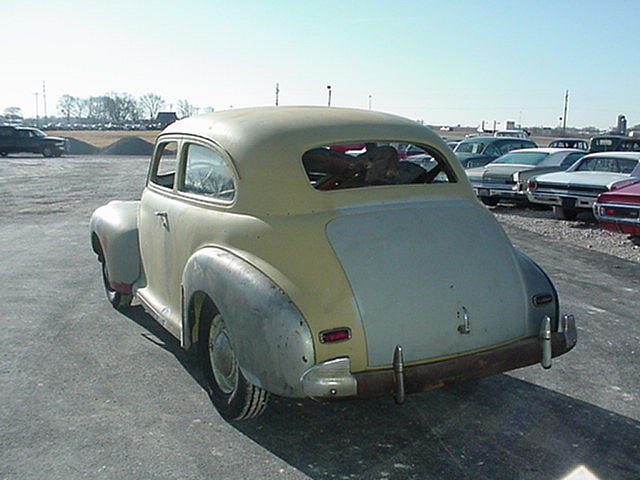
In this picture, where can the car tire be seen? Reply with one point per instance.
(563, 213)
(47, 152)
(117, 299)
(635, 239)
(489, 201)
(230, 392)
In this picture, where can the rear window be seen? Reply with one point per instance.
(522, 158)
(604, 164)
(470, 147)
(334, 167)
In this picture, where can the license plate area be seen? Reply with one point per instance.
(568, 202)
(484, 192)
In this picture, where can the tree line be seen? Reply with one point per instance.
(119, 107)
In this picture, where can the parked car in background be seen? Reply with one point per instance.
(618, 210)
(579, 143)
(511, 134)
(577, 189)
(30, 140)
(478, 151)
(302, 271)
(506, 177)
(614, 143)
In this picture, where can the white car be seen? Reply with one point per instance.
(577, 189)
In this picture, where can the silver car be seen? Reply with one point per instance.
(577, 189)
(506, 177)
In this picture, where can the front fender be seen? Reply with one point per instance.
(269, 335)
(115, 226)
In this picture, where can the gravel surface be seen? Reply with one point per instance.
(584, 232)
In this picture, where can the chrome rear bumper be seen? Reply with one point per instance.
(333, 378)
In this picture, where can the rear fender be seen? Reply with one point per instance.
(536, 282)
(114, 238)
(270, 338)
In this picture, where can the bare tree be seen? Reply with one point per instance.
(121, 107)
(66, 106)
(151, 104)
(185, 109)
(13, 112)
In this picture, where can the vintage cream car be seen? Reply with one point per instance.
(298, 267)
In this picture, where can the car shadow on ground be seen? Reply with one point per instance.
(495, 428)
(163, 339)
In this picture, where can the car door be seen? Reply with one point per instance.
(154, 227)
(178, 218)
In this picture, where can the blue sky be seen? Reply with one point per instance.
(444, 62)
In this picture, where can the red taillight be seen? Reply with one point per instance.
(335, 335)
(609, 211)
(542, 299)
(532, 185)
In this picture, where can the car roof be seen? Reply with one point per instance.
(495, 139)
(614, 154)
(300, 127)
(546, 150)
(266, 146)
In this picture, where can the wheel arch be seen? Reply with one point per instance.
(114, 238)
(269, 335)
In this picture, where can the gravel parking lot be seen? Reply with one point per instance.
(584, 232)
(89, 392)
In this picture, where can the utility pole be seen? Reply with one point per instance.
(329, 89)
(37, 118)
(564, 115)
(44, 100)
(277, 92)
(369, 102)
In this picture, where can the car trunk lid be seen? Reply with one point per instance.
(417, 270)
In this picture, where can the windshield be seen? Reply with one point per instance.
(604, 164)
(523, 158)
(470, 147)
(38, 133)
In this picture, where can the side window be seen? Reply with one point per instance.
(506, 147)
(571, 159)
(166, 161)
(207, 173)
(493, 150)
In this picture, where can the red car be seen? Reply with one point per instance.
(619, 209)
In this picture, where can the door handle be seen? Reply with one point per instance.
(164, 219)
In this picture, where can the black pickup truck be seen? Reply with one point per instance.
(31, 140)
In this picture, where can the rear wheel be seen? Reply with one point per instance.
(117, 299)
(232, 395)
(489, 201)
(564, 213)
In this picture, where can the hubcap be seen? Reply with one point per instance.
(223, 361)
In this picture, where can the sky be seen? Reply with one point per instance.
(444, 62)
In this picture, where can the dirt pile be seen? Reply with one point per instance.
(128, 146)
(78, 147)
